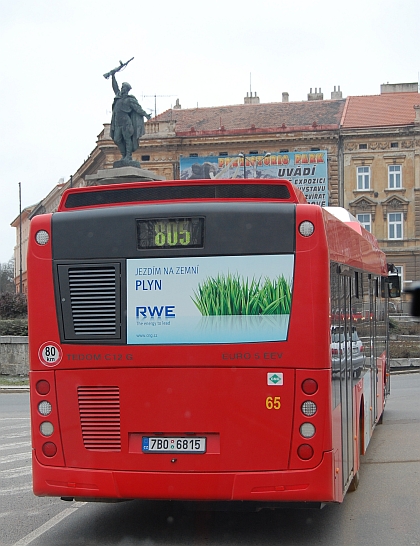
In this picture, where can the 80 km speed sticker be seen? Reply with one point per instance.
(50, 354)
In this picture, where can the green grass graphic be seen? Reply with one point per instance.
(235, 295)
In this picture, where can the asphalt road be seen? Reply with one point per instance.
(383, 511)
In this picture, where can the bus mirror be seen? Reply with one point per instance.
(415, 302)
(394, 286)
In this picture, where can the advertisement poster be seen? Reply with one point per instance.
(307, 170)
(215, 299)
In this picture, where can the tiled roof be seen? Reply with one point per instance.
(313, 115)
(388, 109)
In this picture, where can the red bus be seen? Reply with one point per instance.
(185, 344)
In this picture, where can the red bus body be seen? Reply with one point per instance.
(105, 397)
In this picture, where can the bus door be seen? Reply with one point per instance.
(373, 294)
(347, 381)
(341, 342)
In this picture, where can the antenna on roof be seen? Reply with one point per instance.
(250, 88)
(155, 100)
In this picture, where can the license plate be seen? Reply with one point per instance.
(159, 444)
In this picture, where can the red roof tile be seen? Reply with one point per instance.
(312, 115)
(388, 109)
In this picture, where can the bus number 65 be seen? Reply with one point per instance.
(273, 402)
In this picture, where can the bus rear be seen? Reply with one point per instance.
(180, 345)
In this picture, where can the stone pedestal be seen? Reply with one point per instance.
(121, 175)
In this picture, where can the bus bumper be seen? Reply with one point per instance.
(314, 485)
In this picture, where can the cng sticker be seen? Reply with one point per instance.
(275, 379)
(50, 354)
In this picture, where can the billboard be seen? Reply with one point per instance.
(212, 299)
(307, 170)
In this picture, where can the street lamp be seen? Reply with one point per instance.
(244, 157)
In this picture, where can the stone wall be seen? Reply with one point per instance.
(14, 359)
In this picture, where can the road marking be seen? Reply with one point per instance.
(15, 445)
(16, 472)
(15, 490)
(16, 427)
(49, 524)
(16, 457)
(14, 418)
(17, 435)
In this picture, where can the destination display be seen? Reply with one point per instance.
(170, 233)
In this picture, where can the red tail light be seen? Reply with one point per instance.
(309, 386)
(42, 387)
(305, 451)
(49, 449)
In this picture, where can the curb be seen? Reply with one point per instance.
(14, 388)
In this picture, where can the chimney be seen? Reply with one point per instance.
(251, 99)
(177, 105)
(399, 88)
(336, 94)
(417, 112)
(316, 95)
(285, 96)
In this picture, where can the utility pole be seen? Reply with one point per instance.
(20, 239)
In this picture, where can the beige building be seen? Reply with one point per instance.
(372, 145)
(381, 171)
(21, 223)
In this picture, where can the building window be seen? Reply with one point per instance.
(362, 146)
(366, 221)
(145, 157)
(394, 177)
(253, 152)
(395, 225)
(223, 153)
(363, 178)
(394, 144)
(400, 271)
(193, 155)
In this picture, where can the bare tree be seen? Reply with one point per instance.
(7, 274)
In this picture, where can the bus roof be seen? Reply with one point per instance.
(180, 190)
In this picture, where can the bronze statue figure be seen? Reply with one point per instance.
(127, 123)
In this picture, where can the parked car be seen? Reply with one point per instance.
(344, 347)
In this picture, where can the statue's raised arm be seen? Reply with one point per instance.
(115, 85)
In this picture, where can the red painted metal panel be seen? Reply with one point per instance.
(106, 398)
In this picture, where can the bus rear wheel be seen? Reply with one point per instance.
(354, 484)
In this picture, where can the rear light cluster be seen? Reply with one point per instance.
(307, 429)
(42, 237)
(45, 408)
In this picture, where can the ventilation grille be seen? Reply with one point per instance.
(93, 300)
(99, 410)
(169, 193)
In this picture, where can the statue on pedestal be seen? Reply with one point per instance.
(127, 123)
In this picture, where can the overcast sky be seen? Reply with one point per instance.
(54, 99)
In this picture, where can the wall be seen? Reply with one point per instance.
(14, 359)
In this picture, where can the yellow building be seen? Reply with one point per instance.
(371, 146)
(381, 171)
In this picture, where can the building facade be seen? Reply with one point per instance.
(381, 172)
(371, 144)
